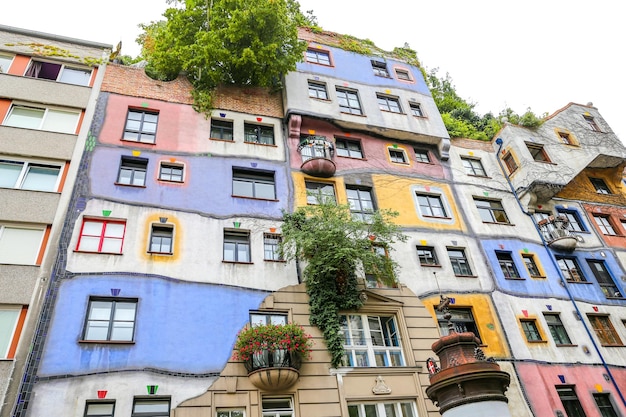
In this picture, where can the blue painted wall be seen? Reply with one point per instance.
(180, 326)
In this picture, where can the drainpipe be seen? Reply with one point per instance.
(500, 142)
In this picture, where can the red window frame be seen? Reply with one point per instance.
(102, 235)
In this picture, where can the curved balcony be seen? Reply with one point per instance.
(317, 153)
(273, 370)
(555, 231)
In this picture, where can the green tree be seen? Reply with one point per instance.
(215, 42)
(334, 246)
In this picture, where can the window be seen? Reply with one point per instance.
(254, 184)
(491, 211)
(510, 163)
(557, 330)
(603, 276)
(604, 329)
(58, 72)
(271, 247)
(316, 190)
(403, 74)
(19, 245)
(229, 413)
(11, 322)
(277, 406)
(427, 256)
(387, 103)
(100, 235)
(570, 269)
(507, 265)
(100, 409)
(431, 205)
(132, 171)
(570, 401)
(531, 265)
(171, 172)
(462, 319)
(221, 129)
(380, 69)
(141, 126)
(473, 167)
(318, 57)
(600, 186)
(382, 409)
(110, 320)
(5, 63)
(262, 318)
(398, 156)
(416, 109)
(29, 175)
(566, 138)
(258, 134)
(537, 152)
(161, 239)
(371, 340)
(529, 326)
(348, 148)
(361, 203)
(151, 407)
(460, 264)
(603, 401)
(54, 120)
(349, 101)
(421, 155)
(317, 90)
(591, 123)
(236, 246)
(574, 223)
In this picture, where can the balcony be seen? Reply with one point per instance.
(555, 231)
(317, 154)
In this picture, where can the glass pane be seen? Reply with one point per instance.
(8, 319)
(125, 176)
(265, 191)
(5, 63)
(25, 117)
(151, 406)
(75, 76)
(89, 244)
(122, 331)
(396, 359)
(41, 178)
(19, 246)
(370, 410)
(112, 245)
(60, 121)
(243, 188)
(243, 253)
(139, 178)
(114, 230)
(381, 359)
(407, 410)
(390, 410)
(9, 173)
(99, 409)
(100, 310)
(353, 411)
(97, 330)
(361, 358)
(124, 311)
(92, 228)
(229, 251)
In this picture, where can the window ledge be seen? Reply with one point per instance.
(238, 262)
(436, 217)
(401, 163)
(253, 198)
(223, 140)
(537, 277)
(419, 117)
(7, 359)
(578, 282)
(170, 181)
(326, 100)
(97, 253)
(160, 253)
(393, 112)
(466, 276)
(375, 370)
(500, 223)
(136, 141)
(352, 157)
(565, 345)
(479, 176)
(129, 185)
(616, 298)
(622, 345)
(537, 341)
(431, 266)
(108, 342)
(515, 279)
(352, 114)
(270, 145)
(280, 261)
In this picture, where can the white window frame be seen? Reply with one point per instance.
(25, 171)
(8, 61)
(9, 328)
(271, 245)
(400, 408)
(61, 72)
(230, 412)
(277, 411)
(47, 111)
(155, 400)
(31, 259)
(263, 318)
(364, 355)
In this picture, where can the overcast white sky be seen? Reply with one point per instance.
(520, 54)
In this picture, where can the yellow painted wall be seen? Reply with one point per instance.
(176, 241)
(300, 189)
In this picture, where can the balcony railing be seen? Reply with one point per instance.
(556, 232)
(273, 359)
(317, 153)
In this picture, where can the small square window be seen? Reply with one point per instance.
(317, 190)
(263, 318)
(348, 148)
(271, 247)
(537, 152)
(459, 262)
(403, 74)
(422, 155)
(237, 246)
(510, 162)
(529, 326)
(591, 123)
(557, 329)
(99, 409)
(161, 239)
(507, 265)
(491, 211)
(566, 138)
(221, 129)
(102, 236)
(386, 103)
(604, 329)
(600, 186)
(254, 184)
(361, 203)
(151, 407)
(574, 223)
(141, 126)
(258, 134)
(318, 90)
(531, 265)
(132, 171)
(474, 167)
(398, 156)
(171, 172)
(416, 109)
(380, 69)
(570, 269)
(110, 319)
(348, 101)
(317, 57)
(604, 224)
(431, 205)
(427, 256)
